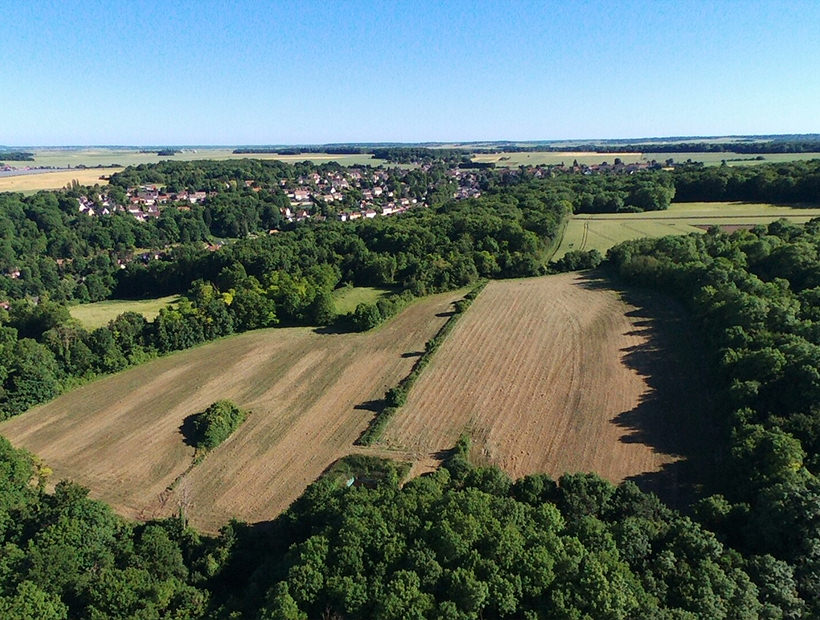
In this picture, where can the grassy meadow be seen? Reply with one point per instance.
(551, 158)
(604, 230)
(100, 313)
(346, 299)
(714, 159)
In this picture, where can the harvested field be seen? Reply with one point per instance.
(308, 394)
(54, 180)
(560, 374)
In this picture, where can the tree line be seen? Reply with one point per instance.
(756, 296)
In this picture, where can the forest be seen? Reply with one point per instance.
(465, 542)
(755, 294)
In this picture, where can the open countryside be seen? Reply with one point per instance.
(604, 230)
(307, 394)
(62, 158)
(559, 374)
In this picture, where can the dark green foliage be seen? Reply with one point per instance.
(753, 293)
(66, 556)
(214, 425)
(578, 259)
(16, 156)
(464, 547)
(462, 542)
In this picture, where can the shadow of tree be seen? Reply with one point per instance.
(676, 415)
(188, 430)
(375, 405)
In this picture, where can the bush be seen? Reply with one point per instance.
(216, 423)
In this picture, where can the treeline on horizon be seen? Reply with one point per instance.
(411, 153)
(393, 154)
(16, 156)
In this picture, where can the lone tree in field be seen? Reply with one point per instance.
(214, 425)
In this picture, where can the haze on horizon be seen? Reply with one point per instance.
(196, 73)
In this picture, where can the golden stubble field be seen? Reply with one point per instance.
(55, 180)
(561, 374)
(120, 436)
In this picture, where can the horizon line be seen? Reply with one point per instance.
(423, 142)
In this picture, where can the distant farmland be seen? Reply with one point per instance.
(551, 158)
(559, 374)
(54, 180)
(60, 158)
(604, 230)
(310, 396)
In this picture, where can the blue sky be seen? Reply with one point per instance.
(242, 72)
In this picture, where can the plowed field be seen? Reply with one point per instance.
(120, 436)
(560, 374)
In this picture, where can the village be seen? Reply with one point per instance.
(348, 194)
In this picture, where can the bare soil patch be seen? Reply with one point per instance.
(565, 373)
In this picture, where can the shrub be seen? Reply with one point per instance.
(216, 423)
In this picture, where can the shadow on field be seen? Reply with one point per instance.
(376, 406)
(675, 416)
(187, 430)
(333, 329)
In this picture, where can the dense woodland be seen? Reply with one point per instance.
(756, 295)
(465, 542)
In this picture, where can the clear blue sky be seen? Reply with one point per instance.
(241, 72)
